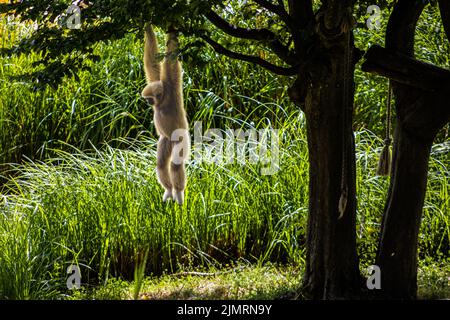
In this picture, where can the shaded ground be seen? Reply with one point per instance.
(244, 282)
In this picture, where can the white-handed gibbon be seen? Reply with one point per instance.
(164, 91)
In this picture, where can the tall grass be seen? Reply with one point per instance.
(103, 211)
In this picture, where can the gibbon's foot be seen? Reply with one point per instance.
(178, 196)
(167, 195)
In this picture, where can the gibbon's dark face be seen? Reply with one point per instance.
(150, 100)
(153, 93)
(153, 100)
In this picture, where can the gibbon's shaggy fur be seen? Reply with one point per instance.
(164, 92)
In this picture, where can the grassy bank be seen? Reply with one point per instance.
(103, 211)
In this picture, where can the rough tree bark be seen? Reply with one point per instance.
(331, 263)
(422, 95)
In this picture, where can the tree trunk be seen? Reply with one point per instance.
(421, 113)
(418, 124)
(420, 116)
(397, 255)
(332, 267)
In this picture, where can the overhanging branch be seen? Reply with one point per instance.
(252, 59)
(263, 35)
(279, 10)
(406, 70)
(243, 33)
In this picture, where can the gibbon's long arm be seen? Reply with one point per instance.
(172, 67)
(151, 63)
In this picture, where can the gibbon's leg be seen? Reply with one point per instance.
(178, 180)
(163, 159)
(180, 152)
(151, 64)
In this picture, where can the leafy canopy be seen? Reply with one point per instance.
(65, 50)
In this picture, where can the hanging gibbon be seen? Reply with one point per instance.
(164, 92)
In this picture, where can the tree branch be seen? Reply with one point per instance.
(401, 27)
(406, 70)
(279, 10)
(252, 59)
(243, 33)
(263, 35)
(444, 7)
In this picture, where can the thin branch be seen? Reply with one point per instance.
(252, 59)
(264, 35)
(243, 33)
(279, 10)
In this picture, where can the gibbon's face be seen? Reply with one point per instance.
(153, 93)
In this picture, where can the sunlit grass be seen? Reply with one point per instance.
(103, 211)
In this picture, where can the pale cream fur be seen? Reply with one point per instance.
(164, 91)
